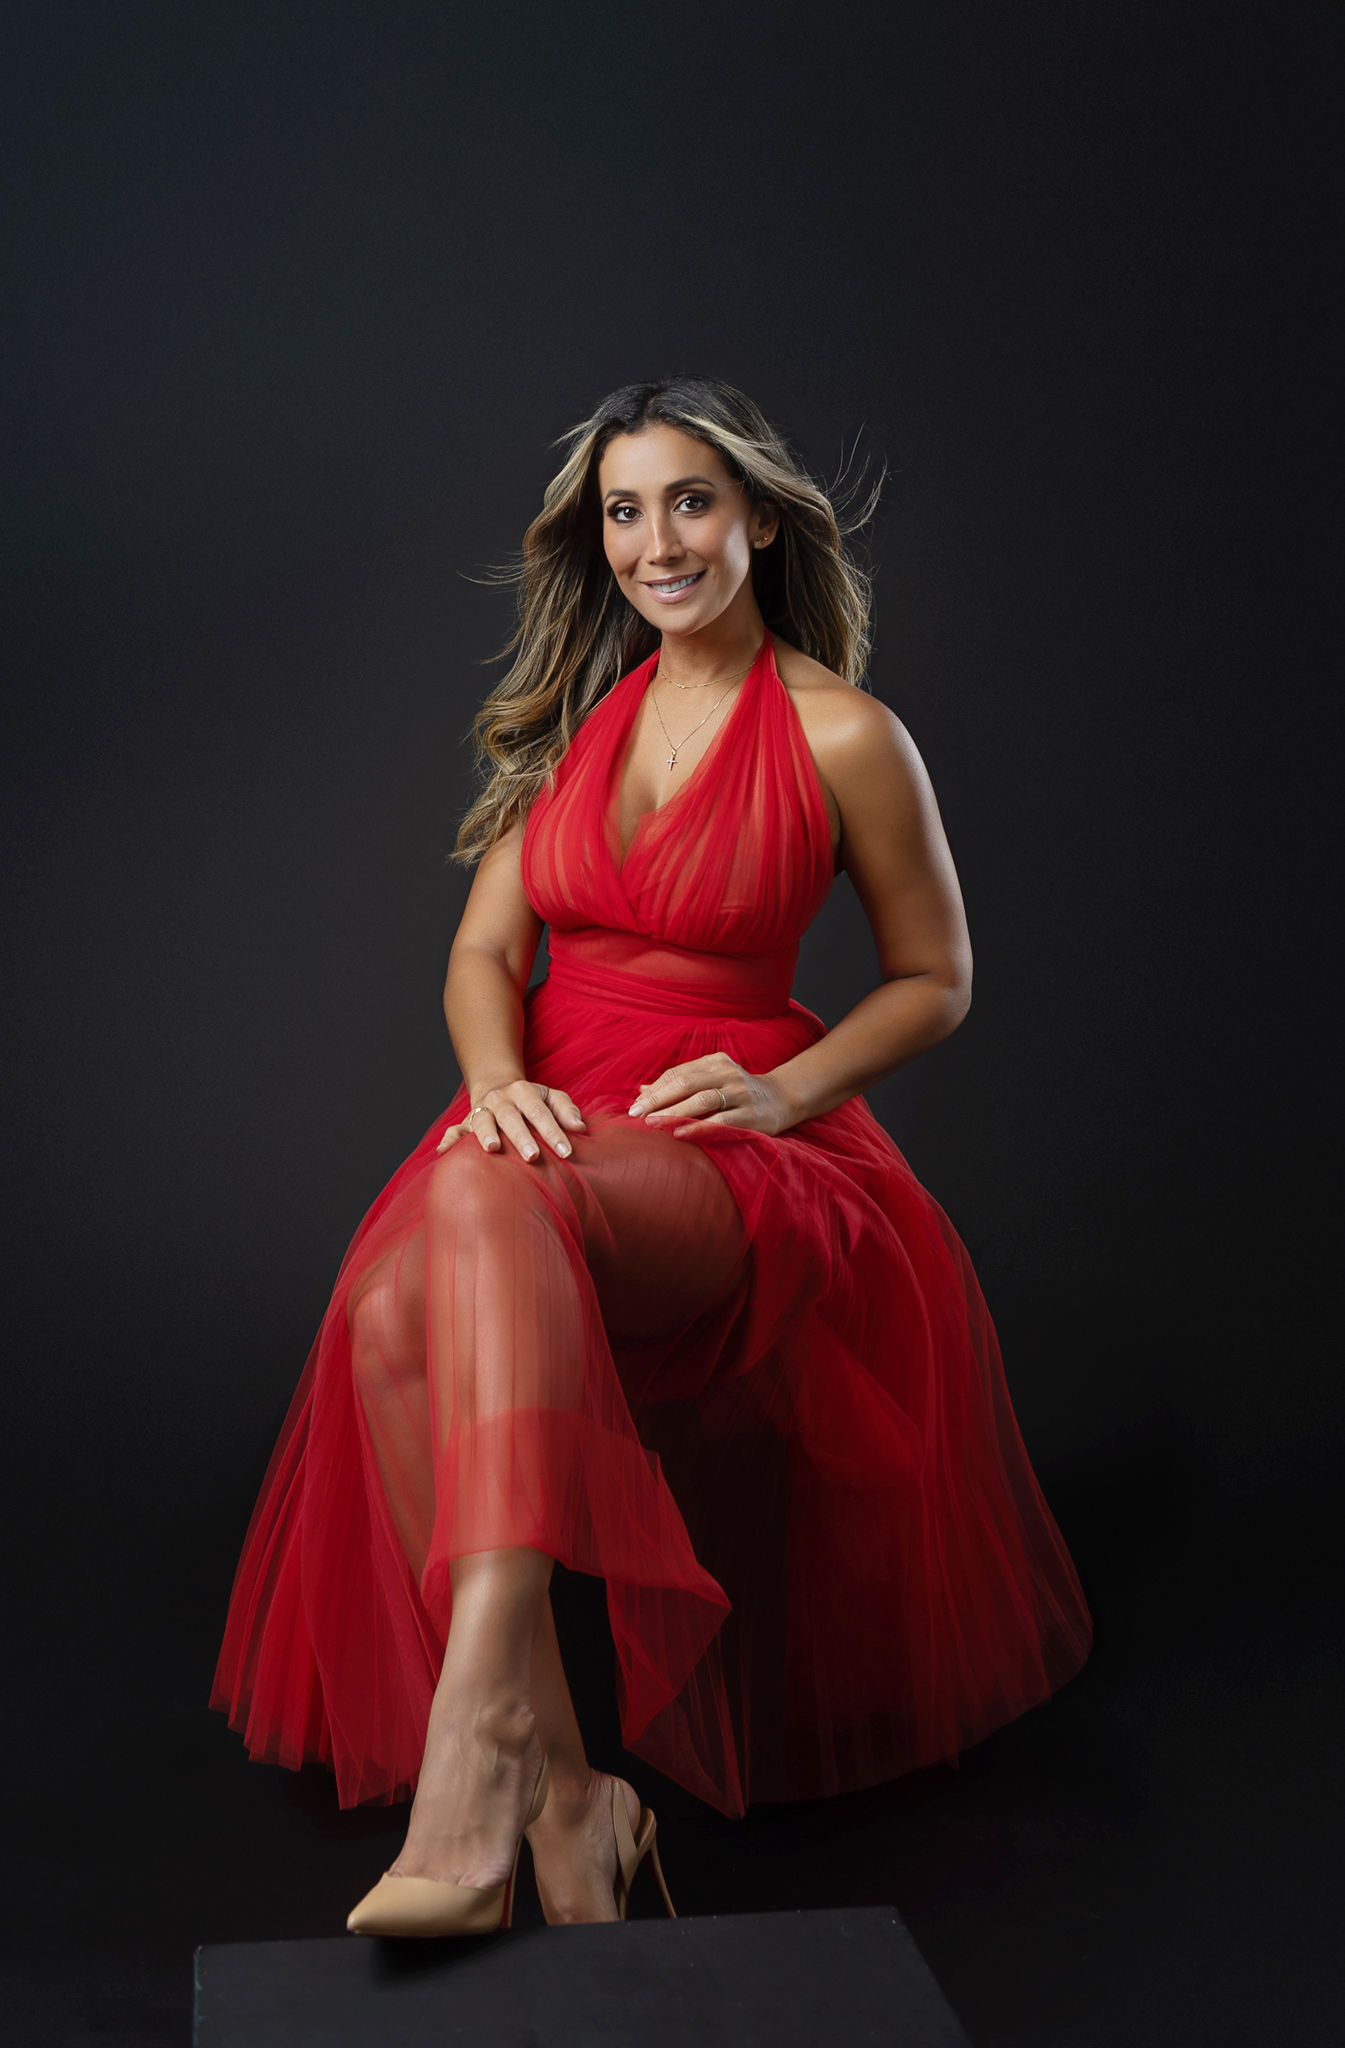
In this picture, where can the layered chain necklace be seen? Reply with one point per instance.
(676, 746)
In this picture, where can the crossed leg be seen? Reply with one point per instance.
(491, 1282)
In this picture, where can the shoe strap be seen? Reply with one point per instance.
(627, 1855)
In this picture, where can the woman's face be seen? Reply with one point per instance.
(678, 529)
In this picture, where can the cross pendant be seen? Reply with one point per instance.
(672, 760)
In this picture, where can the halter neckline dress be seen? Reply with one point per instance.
(826, 1556)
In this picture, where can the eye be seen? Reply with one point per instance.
(692, 502)
(622, 515)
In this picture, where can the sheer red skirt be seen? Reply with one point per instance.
(756, 1392)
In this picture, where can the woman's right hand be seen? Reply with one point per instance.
(523, 1113)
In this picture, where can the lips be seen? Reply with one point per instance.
(670, 588)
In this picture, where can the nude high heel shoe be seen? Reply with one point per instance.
(631, 1851)
(430, 1906)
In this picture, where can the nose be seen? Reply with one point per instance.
(663, 544)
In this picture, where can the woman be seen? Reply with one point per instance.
(656, 1296)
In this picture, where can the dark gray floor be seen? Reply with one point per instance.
(746, 1980)
(1153, 1858)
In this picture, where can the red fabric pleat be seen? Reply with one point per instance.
(748, 1381)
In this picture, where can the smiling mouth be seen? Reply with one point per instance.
(670, 586)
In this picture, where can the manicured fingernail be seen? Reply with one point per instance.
(563, 1150)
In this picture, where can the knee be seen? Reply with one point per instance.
(480, 1191)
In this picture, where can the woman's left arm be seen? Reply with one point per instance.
(893, 848)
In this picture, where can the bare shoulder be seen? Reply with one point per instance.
(849, 733)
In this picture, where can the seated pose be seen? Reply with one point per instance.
(656, 1296)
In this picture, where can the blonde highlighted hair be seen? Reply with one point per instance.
(576, 634)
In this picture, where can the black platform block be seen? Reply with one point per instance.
(784, 1980)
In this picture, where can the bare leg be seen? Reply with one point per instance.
(572, 1842)
(649, 1279)
(502, 1698)
(387, 1345)
(482, 1750)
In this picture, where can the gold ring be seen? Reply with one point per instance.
(723, 1098)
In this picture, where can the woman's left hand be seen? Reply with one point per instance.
(715, 1090)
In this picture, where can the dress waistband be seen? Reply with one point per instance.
(626, 971)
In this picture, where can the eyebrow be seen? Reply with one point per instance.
(680, 485)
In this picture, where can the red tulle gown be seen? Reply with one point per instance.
(748, 1381)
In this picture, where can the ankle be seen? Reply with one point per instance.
(505, 1722)
(498, 1725)
(571, 1793)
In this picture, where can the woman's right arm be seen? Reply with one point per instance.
(488, 971)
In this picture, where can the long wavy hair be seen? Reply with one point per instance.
(576, 634)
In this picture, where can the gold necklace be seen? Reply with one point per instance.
(711, 683)
(713, 680)
(678, 745)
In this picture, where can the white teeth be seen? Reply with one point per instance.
(680, 584)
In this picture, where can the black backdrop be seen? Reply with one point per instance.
(298, 297)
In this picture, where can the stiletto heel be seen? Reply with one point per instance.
(631, 1851)
(430, 1906)
(659, 1878)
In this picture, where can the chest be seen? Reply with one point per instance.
(670, 737)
